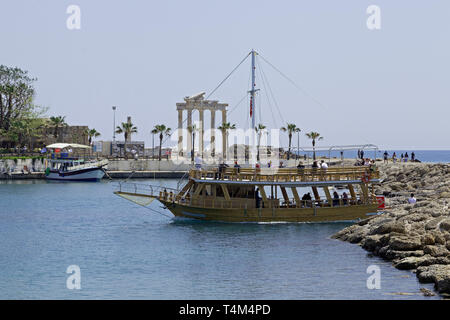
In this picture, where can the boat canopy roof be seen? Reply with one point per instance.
(67, 145)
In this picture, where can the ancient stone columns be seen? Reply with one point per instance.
(192, 103)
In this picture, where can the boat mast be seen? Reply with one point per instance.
(252, 91)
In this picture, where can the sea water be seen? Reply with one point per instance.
(431, 156)
(125, 251)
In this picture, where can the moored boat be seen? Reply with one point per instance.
(62, 167)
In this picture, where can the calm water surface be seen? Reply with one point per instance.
(126, 251)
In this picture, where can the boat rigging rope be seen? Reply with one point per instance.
(267, 96)
(161, 213)
(151, 209)
(293, 83)
(271, 94)
(209, 95)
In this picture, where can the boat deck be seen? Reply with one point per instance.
(283, 176)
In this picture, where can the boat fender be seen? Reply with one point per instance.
(47, 171)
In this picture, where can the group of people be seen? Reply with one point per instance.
(403, 157)
(322, 165)
(306, 199)
(365, 162)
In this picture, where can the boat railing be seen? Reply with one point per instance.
(215, 203)
(89, 164)
(145, 189)
(287, 174)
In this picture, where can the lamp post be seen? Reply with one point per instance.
(114, 123)
(153, 145)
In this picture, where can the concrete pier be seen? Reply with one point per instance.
(112, 174)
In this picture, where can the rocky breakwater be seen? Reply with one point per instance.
(413, 236)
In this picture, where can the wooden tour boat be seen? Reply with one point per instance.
(265, 195)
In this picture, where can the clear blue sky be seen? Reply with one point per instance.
(388, 87)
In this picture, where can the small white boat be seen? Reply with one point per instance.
(73, 169)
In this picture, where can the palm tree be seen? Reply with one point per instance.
(127, 128)
(290, 128)
(92, 133)
(56, 123)
(225, 127)
(154, 131)
(314, 136)
(163, 131)
(260, 129)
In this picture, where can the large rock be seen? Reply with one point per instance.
(445, 225)
(391, 226)
(436, 251)
(438, 274)
(374, 242)
(405, 243)
(398, 255)
(427, 239)
(433, 223)
(439, 237)
(410, 263)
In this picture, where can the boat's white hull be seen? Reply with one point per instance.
(89, 174)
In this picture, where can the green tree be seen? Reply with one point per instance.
(23, 131)
(225, 128)
(290, 129)
(162, 130)
(56, 123)
(314, 136)
(17, 110)
(92, 133)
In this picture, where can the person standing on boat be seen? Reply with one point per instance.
(345, 198)
(222, 167)
(359, 154)
(323, 165)
(335, 199)
(257, 198)
(198, 162)
(237, 167)
(315, 165)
